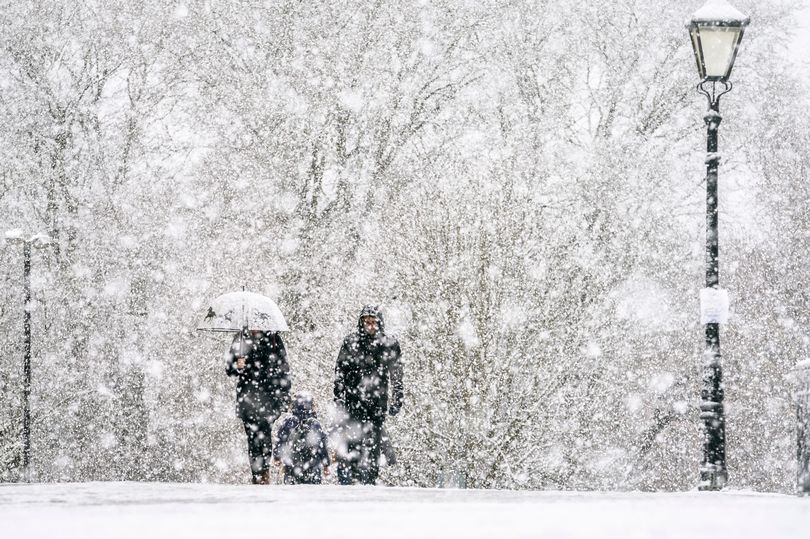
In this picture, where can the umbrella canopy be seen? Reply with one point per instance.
(235, 311)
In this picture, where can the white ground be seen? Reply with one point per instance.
(201, 511)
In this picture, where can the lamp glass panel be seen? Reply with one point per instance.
(718, 45)
(693, 33)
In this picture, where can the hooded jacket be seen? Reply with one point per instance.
(366, 367)
(302, 445)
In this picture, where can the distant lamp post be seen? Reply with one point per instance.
(716, 30)
(38, 241)
(801, 394)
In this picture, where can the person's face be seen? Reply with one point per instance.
(371, 325)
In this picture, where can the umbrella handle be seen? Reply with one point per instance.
(242, 335)
(241, 345)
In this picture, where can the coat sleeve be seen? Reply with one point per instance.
(396, 373)
(323, 449)
(282, 438)
(341, 367)
(280, 371)
(230, 358)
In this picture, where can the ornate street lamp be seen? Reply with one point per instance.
(716, 30)
(38, 241)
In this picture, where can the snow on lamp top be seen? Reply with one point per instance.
(716, 30)
(17, 236)
(719, 10)
(14, 234)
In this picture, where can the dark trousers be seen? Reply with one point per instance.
(259, 429)
(360, 462)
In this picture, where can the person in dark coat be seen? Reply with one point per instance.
(368, 366)
(302, 448)
(258, 360)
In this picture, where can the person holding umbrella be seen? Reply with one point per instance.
(257, 359)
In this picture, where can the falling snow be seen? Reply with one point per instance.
(518, 184)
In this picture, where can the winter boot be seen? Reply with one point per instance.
(264, 478)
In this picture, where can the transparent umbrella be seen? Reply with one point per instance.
(242, 312)
(236, 311)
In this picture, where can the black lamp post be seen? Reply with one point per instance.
(716, 30)
(801, 394)
(38, 241)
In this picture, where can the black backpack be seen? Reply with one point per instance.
(304, 445)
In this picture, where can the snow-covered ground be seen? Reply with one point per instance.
(151, 511)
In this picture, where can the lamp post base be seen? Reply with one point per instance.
(712, 478)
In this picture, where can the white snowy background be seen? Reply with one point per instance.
(519, 184)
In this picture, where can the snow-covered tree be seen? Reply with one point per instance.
(517, 183)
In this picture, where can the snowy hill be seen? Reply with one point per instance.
(113, 510)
